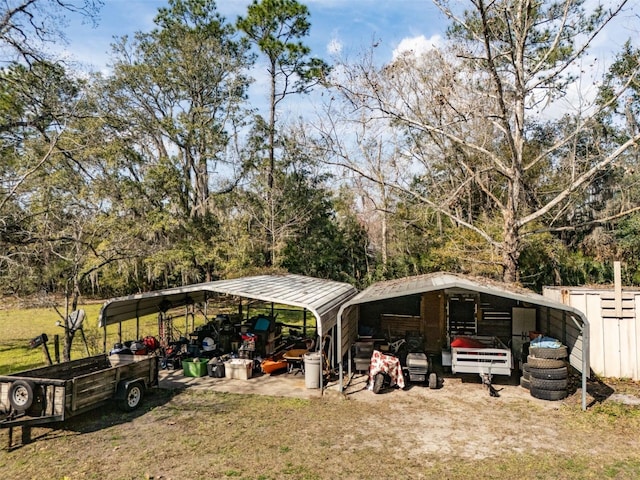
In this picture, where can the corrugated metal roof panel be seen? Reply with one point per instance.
(436, 281)
(317, 295)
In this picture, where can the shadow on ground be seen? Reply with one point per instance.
(90, 421)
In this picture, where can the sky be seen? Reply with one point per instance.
(337, 26)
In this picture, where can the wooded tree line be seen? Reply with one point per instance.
(471, 157)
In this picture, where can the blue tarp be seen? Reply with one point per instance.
(545, 342)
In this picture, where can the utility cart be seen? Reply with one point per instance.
(57, 392)
(486, 356)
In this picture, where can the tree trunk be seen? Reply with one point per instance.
(510, 252)
(68, 332)
(271, 235)
(383, 239)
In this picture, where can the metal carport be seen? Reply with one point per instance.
(562, 321)
(322, 298)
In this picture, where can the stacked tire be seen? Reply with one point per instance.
(548, 372)
(525, 379)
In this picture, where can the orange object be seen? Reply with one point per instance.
(273, 364)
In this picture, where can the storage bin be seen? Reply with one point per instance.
(194, 367)
(216, 368)
(446, 358)
(362, 358)
(238, 368)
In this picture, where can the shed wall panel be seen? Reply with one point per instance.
(562, 327)
(575, 358)
(396, 326)
(590, 306)
(597, 337)
(349, 332)
(636, 339)
(614, 340)
(626, 329)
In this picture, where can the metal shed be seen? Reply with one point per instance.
(426, 300)
(322, 298)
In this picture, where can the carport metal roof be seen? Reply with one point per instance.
(322, 298)
(441, 281)
(444, 281)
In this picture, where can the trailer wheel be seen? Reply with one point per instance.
(133, 397)
(433, 381)
(21, 395)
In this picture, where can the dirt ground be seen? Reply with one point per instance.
(464, 420)
(199, 428)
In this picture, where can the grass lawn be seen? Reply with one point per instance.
(199, 434)
(18, 326)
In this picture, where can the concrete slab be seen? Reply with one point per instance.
(292, 385)
(277, 385)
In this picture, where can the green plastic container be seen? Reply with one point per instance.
(194, 367)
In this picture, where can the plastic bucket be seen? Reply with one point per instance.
(312, 369)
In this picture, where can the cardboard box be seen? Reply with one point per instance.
(194, 367)
(238, 368)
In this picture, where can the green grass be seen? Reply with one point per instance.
(20, 325)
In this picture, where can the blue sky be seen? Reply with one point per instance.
(344, 26)
(349, 25)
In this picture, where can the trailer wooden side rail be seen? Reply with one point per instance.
(56, 392)
(493, 359)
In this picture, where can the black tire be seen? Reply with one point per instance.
(544, 352)
(550, 373)
(378, 382)
(133, 397)
(542, 384)
(21, 395)
(536, 362)
(433, 381)
(524, 383)
(525, 371)
(552, 395)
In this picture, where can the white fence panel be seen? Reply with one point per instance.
(614, 342)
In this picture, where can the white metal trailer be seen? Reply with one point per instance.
(494, 358)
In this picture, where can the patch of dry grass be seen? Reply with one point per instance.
(203, 435)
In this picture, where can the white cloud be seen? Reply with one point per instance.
(334, 47)
(417, 45)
